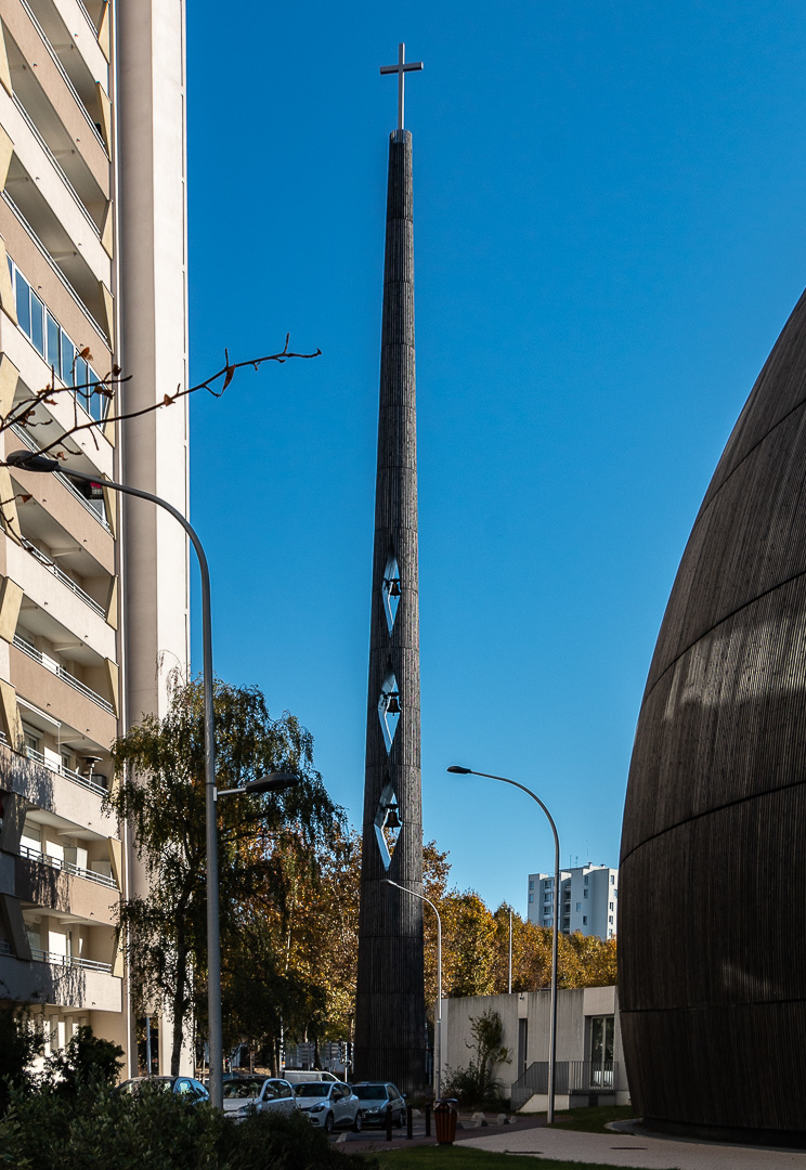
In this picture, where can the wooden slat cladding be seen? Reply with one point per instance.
(712, 926)
(390, 1008)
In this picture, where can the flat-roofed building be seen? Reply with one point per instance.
(93, 594)
(588, 900)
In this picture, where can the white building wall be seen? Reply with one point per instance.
(588, 900)
(525, 1017)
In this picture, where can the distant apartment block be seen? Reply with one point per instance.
(588, 900)
(93, 593)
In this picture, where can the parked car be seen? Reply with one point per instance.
(189, 1088)
(257, 1094)
(329, 1104)
(299, 1075)
(378, 1096)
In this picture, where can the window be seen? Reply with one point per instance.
(531, 897)
(531, 883)
(610, 907)
(584, 920)
(585, 893)
(37, 323)
(23, 304)
(601, 1051)
(578, 907)
(46, 335)
(610, 919)
(612, 879)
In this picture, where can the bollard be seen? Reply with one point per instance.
(409, 1112)
(389, 1122)
(428, 1121)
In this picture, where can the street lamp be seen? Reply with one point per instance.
(272, 782)
(459, 770)
(30, 461)
(423, 898)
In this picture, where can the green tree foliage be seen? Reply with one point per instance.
(20, 1042)
(154, 1130)
(264, 841)
(86, 1064)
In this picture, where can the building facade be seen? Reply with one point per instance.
(588, 900)
(590, 1061)
(710, 960)
(93, 595)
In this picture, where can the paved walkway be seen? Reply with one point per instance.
(632, 1149)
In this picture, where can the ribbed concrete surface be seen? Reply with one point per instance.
(712, 912)
(390, 1009)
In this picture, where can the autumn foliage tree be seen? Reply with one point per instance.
(161, 793)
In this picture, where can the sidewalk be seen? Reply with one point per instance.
(631, 1149)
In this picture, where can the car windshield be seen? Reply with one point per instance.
(317, 1089)
(369, 1092)
(248, 1087)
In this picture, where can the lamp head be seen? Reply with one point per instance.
(273, 782)
(30, 461)
(459, 770)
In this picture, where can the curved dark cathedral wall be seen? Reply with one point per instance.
(712, 913)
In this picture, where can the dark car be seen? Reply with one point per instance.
(378, 1096)
(188, 1088)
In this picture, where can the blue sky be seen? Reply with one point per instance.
(609, 236)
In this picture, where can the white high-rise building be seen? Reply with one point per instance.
(93, 594)
(588, 900)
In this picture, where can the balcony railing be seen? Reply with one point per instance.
(54, 162)
(67, 867)
(53, 568)
(93, 507)
(68, 961)
(62, 770)
(56, 668)
(571, 1076)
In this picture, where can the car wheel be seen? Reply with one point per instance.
(358, 1122)
(330, 1123)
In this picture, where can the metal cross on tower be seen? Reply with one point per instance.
(400, 69)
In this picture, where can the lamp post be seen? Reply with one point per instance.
(459, 770)
(423, 898)
(30, 461)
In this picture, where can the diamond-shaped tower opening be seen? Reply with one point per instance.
(389, 709)
(391, 591)
(387, 824)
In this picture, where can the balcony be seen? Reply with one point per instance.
(57, 249)
(60, 575)
(82, 218)
(94, 507)
(56, 668)
(80, 83)
(67, 867)
(60, 981)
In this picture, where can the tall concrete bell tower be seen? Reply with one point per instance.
(390, 1037)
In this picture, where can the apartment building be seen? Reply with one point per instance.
(588, 900)
(93, 592)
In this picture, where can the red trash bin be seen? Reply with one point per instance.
(445, 1120)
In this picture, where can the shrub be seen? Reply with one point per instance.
(20, 1043)
(476, 1084)
(154, 1130)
